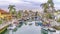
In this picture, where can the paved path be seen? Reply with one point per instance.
(6, 23)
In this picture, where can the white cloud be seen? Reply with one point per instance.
(56, 1)
(26, 3)
(57, 6)
(42, 1)
(13, 1)
(7, 2)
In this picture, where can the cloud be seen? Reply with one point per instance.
(57, 6)
(41, 1)
(5, 2)
(56, 1)
(26, 3)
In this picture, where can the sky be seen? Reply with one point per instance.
(26, 4)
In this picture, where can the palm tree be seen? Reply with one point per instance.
(51, 4)
(48, 6)
(14, 11)
(44, 6)
(11, 8)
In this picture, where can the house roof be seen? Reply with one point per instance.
(3, 11)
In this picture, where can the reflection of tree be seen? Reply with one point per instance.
(20, 24)
(15, 30)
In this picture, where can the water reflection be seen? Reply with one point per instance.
(26, 29)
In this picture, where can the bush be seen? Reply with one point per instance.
(49, 16)
(0, 21)
(56, 27)
(58, 20)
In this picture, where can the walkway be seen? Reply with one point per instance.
(6, 23)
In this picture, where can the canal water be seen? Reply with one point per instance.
(26, 29)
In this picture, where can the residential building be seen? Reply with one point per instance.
(5, 15)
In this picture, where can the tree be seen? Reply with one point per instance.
(58, 20)
(14, 11)
(26, 13)
(44, 6)
(50, 2)
(49, 16)
(51, 5)
(19, 14)
(48, 5)
(11, 8)
(0, 21)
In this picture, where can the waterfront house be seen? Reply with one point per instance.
(5, 15)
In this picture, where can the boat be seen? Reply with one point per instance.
(44, 31)
(52, 30)
(11, 27)
(30, 23)
(49, 29)
(28, 18)
(38, 23)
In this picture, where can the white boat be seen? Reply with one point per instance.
(11, 27)
(49, 29)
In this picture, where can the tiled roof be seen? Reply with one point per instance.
(3, 11)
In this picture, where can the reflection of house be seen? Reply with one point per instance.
(4, 14)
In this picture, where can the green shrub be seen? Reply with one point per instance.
(0, 21)
(56, 27)
(58, 20)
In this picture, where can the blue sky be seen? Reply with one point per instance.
(26, 4)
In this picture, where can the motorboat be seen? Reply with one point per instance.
(30, 23)
(51, 29)
(38, 23)
(11, 27)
